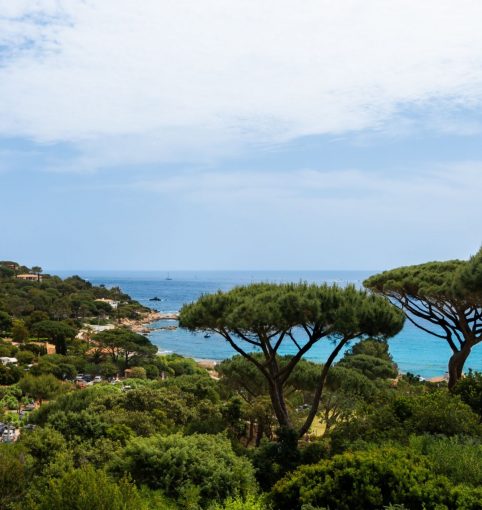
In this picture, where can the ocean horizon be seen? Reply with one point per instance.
(412, 349)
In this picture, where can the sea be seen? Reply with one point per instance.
(412, 349)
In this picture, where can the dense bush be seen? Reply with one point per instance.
(202, 468)
(437, 412)
(470, 390)
(458, 458)
(84, 488)
(250, 503)
(371, 479)
(14, 468)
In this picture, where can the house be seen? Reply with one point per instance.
(7, 361)
(30, 277)
(88, 330)
(50, 348)
(9, 265)
(111, 302)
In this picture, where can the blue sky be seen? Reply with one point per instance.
(254, 135)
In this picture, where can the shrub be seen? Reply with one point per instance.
(470, 390)
(86, 488)
(250, 503)
(369, 480)
(14, 466)
(177, 465)
(458, 458)
(438, 412)
(138, 373)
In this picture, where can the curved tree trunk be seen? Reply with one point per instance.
(319, 390)
(456, 365)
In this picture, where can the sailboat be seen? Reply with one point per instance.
(168, 277)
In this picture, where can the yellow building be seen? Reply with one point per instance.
(30, 277)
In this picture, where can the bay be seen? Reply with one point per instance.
(412, 349)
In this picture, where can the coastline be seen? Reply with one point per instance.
(142, 324)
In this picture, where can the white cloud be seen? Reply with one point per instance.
(441, 185)
(348, 218)
(167, 74)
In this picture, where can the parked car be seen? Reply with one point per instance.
(9, 434)
(98, 378)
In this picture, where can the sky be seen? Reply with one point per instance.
(253, 134)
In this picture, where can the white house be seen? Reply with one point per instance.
(111, 302)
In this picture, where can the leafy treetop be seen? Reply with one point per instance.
(440, 298)
(263, 316)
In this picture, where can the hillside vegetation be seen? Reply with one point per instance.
(106, 423)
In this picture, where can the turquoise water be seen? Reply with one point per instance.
(412, 349)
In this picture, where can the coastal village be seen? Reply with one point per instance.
(143, 323)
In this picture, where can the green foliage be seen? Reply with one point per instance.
(469, 388)
(371, 479)
(14, 467)
(370, 347)
(138, 373)
(270, 307)
(432, 413)
(124, 345)
(25, 357)
(20, 332)
(78, 425)
(44, 444)
(272, 460)
(250, 503)
(9, 374)
(58, 332)
(5, 271)
(370, 366)
(442, 299)
(38, 350)
(84, 488)
(265, 316)
(173, 364)
(9, 402)
(176, 464)
(468, 279)
(458, 458)
(11, 390)
(57, 299)
(404, 446)
(5, 322)
(61, 366)
(371, 358)
(40, 387)
(441, 413)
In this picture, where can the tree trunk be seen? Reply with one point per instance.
(279, 404)
(251, 433)
(259, 432)
(319, 390)
(456, 365)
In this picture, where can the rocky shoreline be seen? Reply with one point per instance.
(141, 325)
